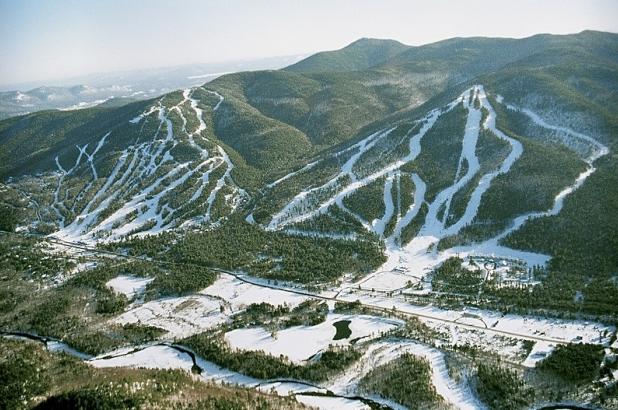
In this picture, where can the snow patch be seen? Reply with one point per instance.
(128, 285)
(299, 343)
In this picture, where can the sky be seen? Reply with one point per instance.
(54, 39)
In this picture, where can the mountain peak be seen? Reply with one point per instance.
(361, 54)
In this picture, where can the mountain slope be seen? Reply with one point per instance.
(31, 142)
(305, 151)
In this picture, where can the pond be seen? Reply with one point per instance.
(343, 329)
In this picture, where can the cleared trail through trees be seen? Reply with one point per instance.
(136, 198)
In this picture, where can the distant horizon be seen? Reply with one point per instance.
(65, 81)
(46, 41)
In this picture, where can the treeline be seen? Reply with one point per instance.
(575, 363)
(32, 377)
(237, 245)
(502, 389)
(405, 380)
(276, 255)
(450, 276)
(308, 313)
(263, 366)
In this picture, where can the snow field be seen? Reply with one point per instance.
(331, 403)
(539, 351)
(299, 343)
(153, 357)
(128, 285)
(180, 317)
(238, 294)
(166, 357)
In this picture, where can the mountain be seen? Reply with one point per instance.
(360, 55)
(361, 216)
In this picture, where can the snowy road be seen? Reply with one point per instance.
(432, 314)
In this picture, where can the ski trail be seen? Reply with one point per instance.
(152, 165)
(220, 183)
(144, 198)
(485, 181)
(292, 174)
(598, 149)
(91, 156)
(283, 217)
(378, 225)
(414, 256)
(62, 170)
(433, 225)
(203, 183)
(554, 210)
(216, 107)
(57, 203)
(419, 197)
(346, 170)
(199, 113)
(95, 176)
(227, 175)
(398, 196)
(143, 115)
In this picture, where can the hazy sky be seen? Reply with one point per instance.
(45, 39)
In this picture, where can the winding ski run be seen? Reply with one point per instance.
(138, 196)
(420, 254)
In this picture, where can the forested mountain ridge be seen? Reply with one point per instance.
(248, 144)
(359, 55)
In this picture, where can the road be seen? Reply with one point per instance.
(248, 280)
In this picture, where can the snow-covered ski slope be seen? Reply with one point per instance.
(176, 176)
(428, 217)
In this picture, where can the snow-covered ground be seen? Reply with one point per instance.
(539, 351)
(331, 403)
(238, 294)
(167, 357)
(128, 285)
(179, 316)
(494, 332)
(516, 326)
(153, 357)
(386, 281)
(457, 394)
(299, 343)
